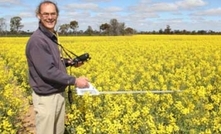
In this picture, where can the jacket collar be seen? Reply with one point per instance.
(49, 34)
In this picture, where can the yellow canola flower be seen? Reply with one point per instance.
(10, 112)
(150, 62)
(208, 106)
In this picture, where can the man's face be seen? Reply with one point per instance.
(48, 16)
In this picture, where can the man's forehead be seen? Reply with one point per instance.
(47, 6)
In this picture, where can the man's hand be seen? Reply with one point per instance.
(78, 64)
(82, 82)
(69, 62)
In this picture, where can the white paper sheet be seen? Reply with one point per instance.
(91, 90)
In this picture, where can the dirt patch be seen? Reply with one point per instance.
(28, 122)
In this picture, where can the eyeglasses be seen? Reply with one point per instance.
(49, 14)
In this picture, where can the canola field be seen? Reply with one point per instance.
(190, 63)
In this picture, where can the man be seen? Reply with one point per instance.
(47, 72)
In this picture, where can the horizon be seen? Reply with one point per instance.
(141, 15)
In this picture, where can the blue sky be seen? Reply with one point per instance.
(142, 15)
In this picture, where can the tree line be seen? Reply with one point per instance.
(168, 30)
(113, 28)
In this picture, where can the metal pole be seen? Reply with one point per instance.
(137, 92)
(93, 91)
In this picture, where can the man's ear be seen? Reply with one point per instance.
(39, 17)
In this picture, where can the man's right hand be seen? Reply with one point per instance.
(82, 82)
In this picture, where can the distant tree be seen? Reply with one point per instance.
(121, 27)
(3, 26)
(129, 30)
(201, 31)
(184, 31)
(177, 31)
(89, 30)
(160, 31)
(105, 28)
(167, 30)
(74, 25)
(114, 27)
(64, 28)
(154, 32)
(96, 32)
(81, 32)
(15, 24)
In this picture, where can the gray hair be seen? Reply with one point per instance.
(38, 10)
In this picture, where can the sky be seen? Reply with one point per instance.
(141, 15)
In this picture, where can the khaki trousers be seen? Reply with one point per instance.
(50, 113)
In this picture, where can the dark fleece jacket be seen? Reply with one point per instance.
(47, 73)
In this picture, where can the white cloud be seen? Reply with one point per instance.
(26, 14)
(113, 9)
(10, 1)
(95, 0)
(82, 6)
(148, 6)
(159, 7)
(210, 12)
(189, 4)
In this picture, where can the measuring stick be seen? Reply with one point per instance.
(93, 91)
(137, 92)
